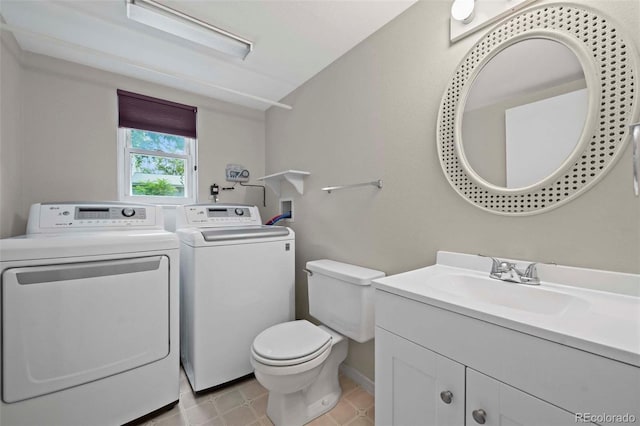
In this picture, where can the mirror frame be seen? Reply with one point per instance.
(610, 68)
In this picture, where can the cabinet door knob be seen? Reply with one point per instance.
(480, 416)
(446, 397)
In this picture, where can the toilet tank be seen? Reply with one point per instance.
(341, 297)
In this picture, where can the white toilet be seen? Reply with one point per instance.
(298, 361)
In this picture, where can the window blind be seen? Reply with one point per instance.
(157, 115)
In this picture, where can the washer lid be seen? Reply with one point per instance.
(290, 340)
(244, 233)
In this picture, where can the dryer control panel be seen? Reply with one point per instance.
(53, 217)
(217, 215)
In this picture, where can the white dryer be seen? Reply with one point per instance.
(90, 316)
(236, 279)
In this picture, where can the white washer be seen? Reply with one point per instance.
(89, 316)
(236, 279)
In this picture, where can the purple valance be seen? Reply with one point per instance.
(157, 115)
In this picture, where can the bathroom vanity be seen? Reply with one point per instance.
(455, 347)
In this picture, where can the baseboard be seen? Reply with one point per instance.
(363, 381)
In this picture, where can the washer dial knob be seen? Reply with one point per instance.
(128, 212)
(239, 212)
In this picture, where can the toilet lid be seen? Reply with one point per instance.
(290, 340)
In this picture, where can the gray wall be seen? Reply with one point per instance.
(10, 135)
(63, 144)
(372, 114)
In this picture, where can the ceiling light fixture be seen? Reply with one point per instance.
(463, 10)
(159, 16)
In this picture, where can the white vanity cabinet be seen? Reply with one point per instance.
(494, 403)
(416, 386)
(515, 377)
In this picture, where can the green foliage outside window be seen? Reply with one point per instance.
(159, 187)
(162, 166)
(153, 141)
(160, 142)
(154, 165)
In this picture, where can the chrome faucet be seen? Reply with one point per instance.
(508, 271)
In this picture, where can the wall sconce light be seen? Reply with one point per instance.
(164, 18)
(469, 16)
(463, 10)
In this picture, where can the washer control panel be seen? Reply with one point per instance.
(107, 213)
(55, 216)
(211, 215)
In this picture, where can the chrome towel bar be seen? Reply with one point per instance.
(377, 183)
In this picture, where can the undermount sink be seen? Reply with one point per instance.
(505, 294)
(593, 310)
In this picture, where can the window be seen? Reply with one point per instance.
(156, 150)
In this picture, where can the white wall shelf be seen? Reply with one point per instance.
(294, 177)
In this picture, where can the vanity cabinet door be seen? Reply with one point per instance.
(494, 403)
(415, 386)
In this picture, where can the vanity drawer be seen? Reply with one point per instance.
(573, 379)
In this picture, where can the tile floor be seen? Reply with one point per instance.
(245, 404)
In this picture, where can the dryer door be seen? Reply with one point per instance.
(68, 324)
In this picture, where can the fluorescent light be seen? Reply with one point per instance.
(159, 16)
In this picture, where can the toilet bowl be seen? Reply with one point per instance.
(301, 387)
(297, 361)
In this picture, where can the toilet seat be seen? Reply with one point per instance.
(294, 361)
(290, 343)
(291, 347)
(291, 369)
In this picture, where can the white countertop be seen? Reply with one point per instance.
(591, 310)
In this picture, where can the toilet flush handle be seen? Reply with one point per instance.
(310, 273)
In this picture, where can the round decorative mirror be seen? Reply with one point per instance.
(524, 113)
(538, 110)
